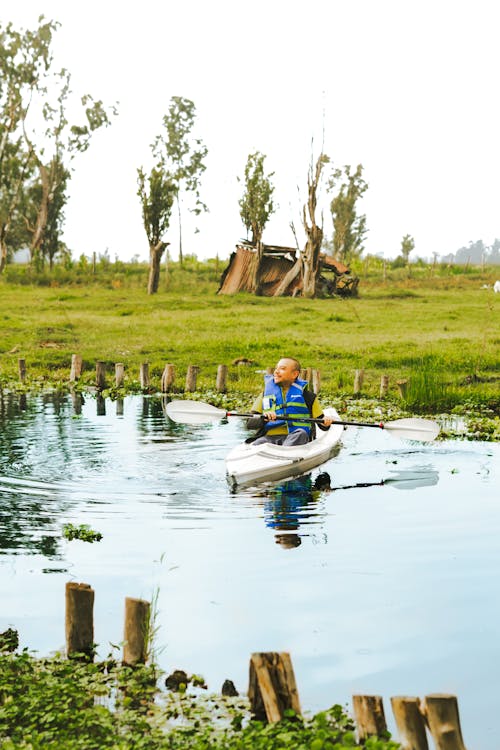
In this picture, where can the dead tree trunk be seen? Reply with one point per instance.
(155, 253)
(311, 252)
(43, 211)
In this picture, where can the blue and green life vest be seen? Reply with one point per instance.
(295, 405)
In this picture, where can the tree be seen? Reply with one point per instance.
(312, 249)
(407, 245)
(157, 193)
(182, 155)
(37, 142)
(24, 60)
(349, 228)
(256, 206)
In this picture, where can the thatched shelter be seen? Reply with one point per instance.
(277, 261)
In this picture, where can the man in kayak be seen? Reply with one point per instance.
(286, 395)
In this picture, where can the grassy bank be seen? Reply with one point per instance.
(440, 332)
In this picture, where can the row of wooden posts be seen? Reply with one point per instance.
(272, 688)
(168, 377)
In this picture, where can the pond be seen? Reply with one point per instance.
(387, 588)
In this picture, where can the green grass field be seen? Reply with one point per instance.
(440, 331)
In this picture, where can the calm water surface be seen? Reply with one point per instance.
(389, 589)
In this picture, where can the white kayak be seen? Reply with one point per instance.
(250, 464)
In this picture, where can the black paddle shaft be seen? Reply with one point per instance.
(306, 419)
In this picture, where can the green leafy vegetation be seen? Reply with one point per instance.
(69, 704)
(82, 532)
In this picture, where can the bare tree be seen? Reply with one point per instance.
(314, 232)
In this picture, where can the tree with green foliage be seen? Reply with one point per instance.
(157, 192)
(349, 227)
(407, 245)
(37, 141)
(256, 206)
(182, 156)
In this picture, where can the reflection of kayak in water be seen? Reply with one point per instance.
(250, 464)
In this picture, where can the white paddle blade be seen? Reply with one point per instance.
(414, 429)
(193, 412)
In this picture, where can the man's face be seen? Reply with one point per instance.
(285, 372)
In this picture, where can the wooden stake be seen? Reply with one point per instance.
(119, 374)
(22, 369)
(272, 688)
(369, 715)
(79, 619)
(441, 713)
(144, 375)
(384, 385)
(191, 376)
(221, 381)
(410, 723)
(167, 378)
(358, 381)
(100, 375)
(135, 634)
(100, 406)
(402, 387)
(316, 381)
(76, 367)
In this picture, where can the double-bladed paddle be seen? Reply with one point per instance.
(198, 412)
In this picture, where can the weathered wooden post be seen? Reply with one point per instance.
(221, 381)
(402, 387)
(272, 688)
(119, 407)
(316, 381)
(119, 374)
(22, 369)
(441, 714)
(144, 375)
(410, 723)
(76, 367)
(167, 378)
(136, 631)
(384, 385)
(100, 375)
(79, 619)
(369, 715)
(358, 381)
(191, 377)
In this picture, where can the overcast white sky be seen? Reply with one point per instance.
(408, 89)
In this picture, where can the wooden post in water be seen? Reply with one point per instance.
(369, 715)
(402, 387)
(119, 407)
(221, 380)
(100, 375)
(191, 377)
(144, 375)
(76, 367)
(119, 374)
(316, 381)
(136, 631)
(410, 723)
(167, 378)
(79, 619)
(22, 369)
(441, 714)
(358, 381)
(272, 688)
(384, 385)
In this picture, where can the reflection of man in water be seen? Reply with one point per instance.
(292, 502)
